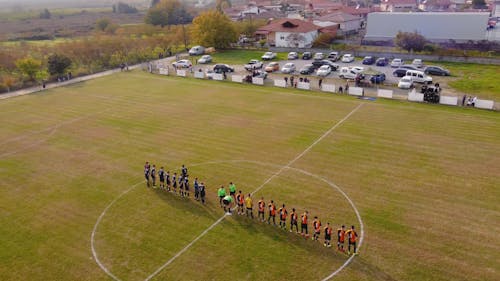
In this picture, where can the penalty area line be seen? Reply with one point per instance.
(300, 155)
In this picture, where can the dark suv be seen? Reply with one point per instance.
(307, 69)
(401, 71)
(319, 63)
(221, 68)
(307, 56)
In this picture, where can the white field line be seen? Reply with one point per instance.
(257, 189)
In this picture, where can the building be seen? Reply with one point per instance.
(434, 26)
(289, 33)
(398, 5)
(347, 23)
(495, 9)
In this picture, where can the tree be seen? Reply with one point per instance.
(410, 41)
(323, 40)
(478, 4)
(213, 29)
(8, 81)
(168, 12)
(57, 64)
(29, 67)
(123, 8)
(102, 24)
(157, 16)
(45, 14)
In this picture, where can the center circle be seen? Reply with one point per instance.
(282, 170)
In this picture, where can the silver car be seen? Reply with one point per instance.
(288, 68)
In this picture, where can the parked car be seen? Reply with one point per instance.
(405, 83)
(417, 63)
(306, 56)
(205, 59)
(378, 79)
(397, 62)
(347, 58)
(293, 56)
(357, 69)
(382, 62)
(318, 63)
(436, 70)
(333, 56)
(272, 66)
(288, 68)
(419, 76)
(222, 68)
(253, 64)
(324, 70)
(368, 60)
(182, 64)
(346, 72)
(260, 74)
(268, 56)
(401, 71)
(319, 56)
(196, 51)
(307, 69)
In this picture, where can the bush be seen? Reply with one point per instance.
(429, 48)
(323, 40)
(410, 41)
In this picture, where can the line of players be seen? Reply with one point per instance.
(242, 203)
(171, 182)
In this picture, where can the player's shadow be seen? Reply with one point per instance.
(188, 204)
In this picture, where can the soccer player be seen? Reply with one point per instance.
(341, 238)
(228, 204)
(328, 235)
(351, 238)
(283, 214)
(221, 192)
(147, 169)
(186, 186)
(249, 205)
(196, 189)
(161, 174)
(174, 182)
(262, 207)
(184, 171)
(153, 176)
(202, 193)
(181, 185)
(317, 228)
(272, 212)
(232, 190)
(167, 181)
(303, 224)
(240, 200)
(293, 221)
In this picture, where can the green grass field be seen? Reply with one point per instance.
(424, 179)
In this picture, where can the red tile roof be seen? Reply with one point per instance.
(289, 25)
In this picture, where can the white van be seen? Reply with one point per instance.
(419, 76)
(196, 51)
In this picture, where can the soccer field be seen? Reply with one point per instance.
(74, 204)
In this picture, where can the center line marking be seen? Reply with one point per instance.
(256, 190)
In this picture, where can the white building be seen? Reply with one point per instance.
(347, 23)
(289, 33)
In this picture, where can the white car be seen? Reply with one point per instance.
(324, 70)
(288, 68)
(319, 56)
(293, 56)
(182, 64)
(405, 83)
(357, 69)
(417, 63)
(397, 62)
(205, 59)
(253, 64)
(268, 56)
(348, 73)
(347, 58)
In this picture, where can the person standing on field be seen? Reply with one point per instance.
(167, 181)
(303, 225)
(147, 168)
(283, 215)
(228, 204)
(196, 189)
(174, 182)
(221, 192)
(232, 190)
(153, 176)
(352, 236)
(293, 221)
(328, 235)
(272, 213)
(341, 238)
(262, 207)
(161, 175)
(240, 201)
(202, 192)
(186, 186)
(249, 205)
(316, 228)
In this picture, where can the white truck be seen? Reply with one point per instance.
(253, 65)
(268, 56)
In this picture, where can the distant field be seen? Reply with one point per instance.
(424, 179)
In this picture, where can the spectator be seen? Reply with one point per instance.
(320, 82)
(286, 80)
(463, 100)
(341, 91)
(346, 88)
(474, 99)
(291, 81)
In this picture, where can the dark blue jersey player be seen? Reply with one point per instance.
(167, 180)
(147, 168)
(161, 175)
(186, 186)
(153, 175)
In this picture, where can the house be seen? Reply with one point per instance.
(398, 5)
(289, 33)
(435, 5)
(434, 26)
(347, 23)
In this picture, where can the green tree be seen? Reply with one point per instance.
(45, 14)
(410, 41)
(168, 12)
(102, 24)
(213, 29)
(29, 66)
(57, 64)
